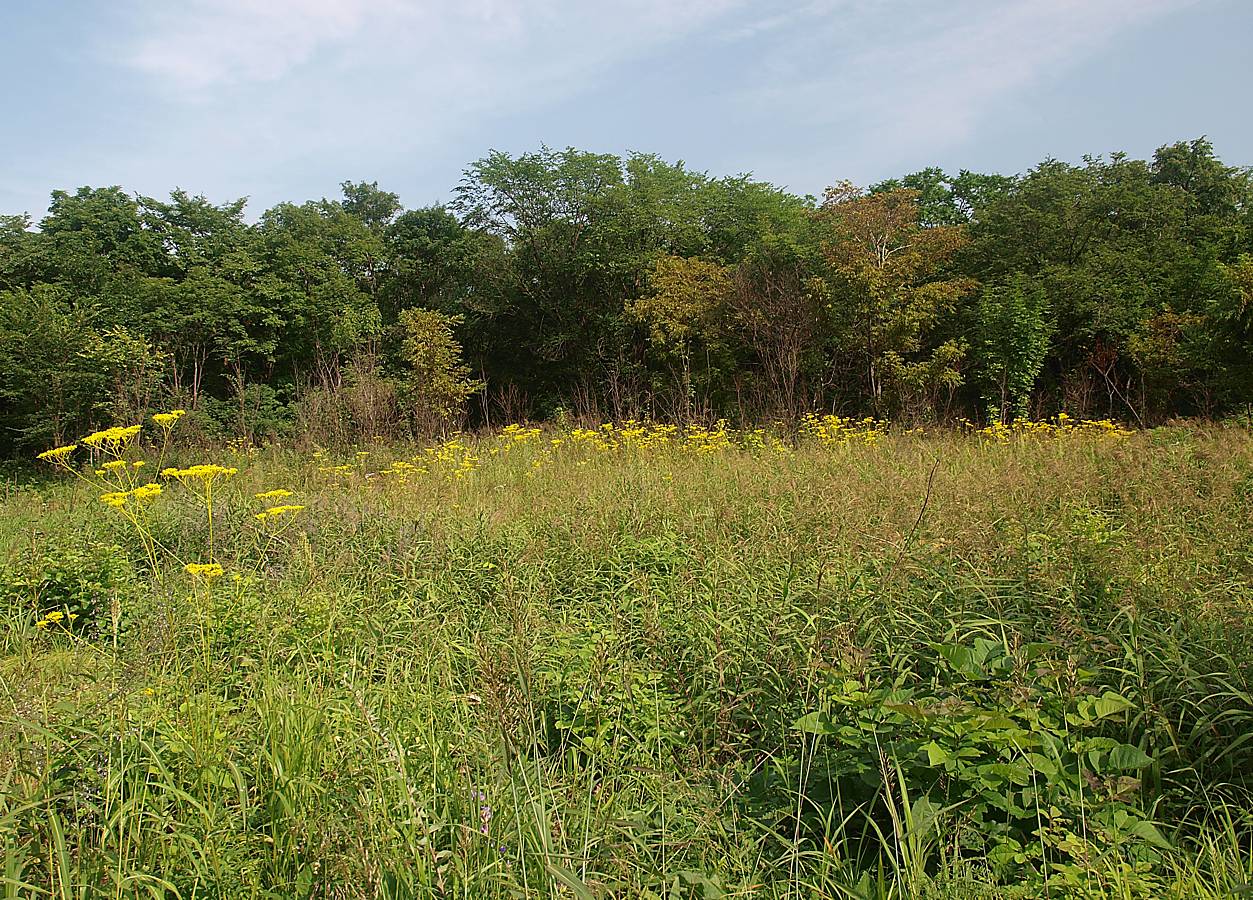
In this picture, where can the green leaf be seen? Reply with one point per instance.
(936, 755)
(1109, 704)
(1141, 828)
(572, 881)
(1042, 764)
(817, 722)
(1126, 756)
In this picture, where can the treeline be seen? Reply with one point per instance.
(582, 284)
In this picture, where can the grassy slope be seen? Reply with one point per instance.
(575, 672)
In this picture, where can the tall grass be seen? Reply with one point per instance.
(670, 669)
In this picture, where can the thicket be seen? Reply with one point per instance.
(602, 287)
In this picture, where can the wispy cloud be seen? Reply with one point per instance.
(284, 98)
(890, 79)
(205, 44)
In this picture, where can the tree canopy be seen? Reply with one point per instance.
(602, 286)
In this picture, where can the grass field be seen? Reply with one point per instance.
(634, 662)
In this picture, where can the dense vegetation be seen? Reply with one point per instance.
(633, 661)
(604, 287)
(344, 623)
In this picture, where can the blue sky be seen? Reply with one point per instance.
(284, 99)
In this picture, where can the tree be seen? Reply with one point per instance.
(16, 244)
(61, 377)
(435, 384)
(371, 205)
(560, 312)
(320, 280)
(948, 201)
(685, 307)
(94, 242)
(1012, 328)
(893, 284)
(779, 305)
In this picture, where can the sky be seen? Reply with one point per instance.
(285, 99)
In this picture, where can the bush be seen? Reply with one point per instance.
(84, 585)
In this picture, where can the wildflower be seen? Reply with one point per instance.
(205, 473)
(146, 492)
(111, 440)
(170, 419)
(116, 499)
(113, 465)
(276, 511)
(58, 456)
(55, 616)
(277, 494)
(207, 571)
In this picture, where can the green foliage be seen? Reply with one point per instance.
(88, 585)
(60, 376)
(892, 278)
(436, 384)
(1000, 739)
(1013, 328)
(583, 677)
(632, 287)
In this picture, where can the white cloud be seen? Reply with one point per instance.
(208, 44)
(891, 79)
(281, 98)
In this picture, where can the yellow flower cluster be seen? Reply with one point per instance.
(205, 473)
(646, 437)
(54, 617)
(453, 457)
(112, 440)
(277, 494)
(58, 456)
(706, 441)
(832, 431)
(170, 419)
(145, 493)
(207, 571)
(1061, 427)
(599, 439)
(519, 434)
(761, 441)
(274, 512)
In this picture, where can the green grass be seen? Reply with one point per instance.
(928, 666)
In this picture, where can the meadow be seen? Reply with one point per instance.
(632, 661)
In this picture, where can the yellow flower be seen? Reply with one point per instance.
(277, 494)
(58, 455)
(204, 472)
(55, 616)
(168, 420)
(114, 464)
(207, 571)
(146, 492)
(116, 499)
(111, 439)
(275, 511)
